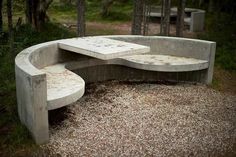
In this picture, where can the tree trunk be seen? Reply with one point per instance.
(166, 19)
(10, 23)
(180, 18)
(162, 14)
(28, 11)
(37, 12)
(137, 17)
(1, 23)
(81, 18)
(210, 6)
(106, 4)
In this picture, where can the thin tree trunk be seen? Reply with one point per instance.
(137, 17)
(162, 14)
(28, 11)
(106, 4)
(81, 18)
(166, 20)
(35, 4)
(1, 23)
(210, 6)
(10, 23)
(38, 11)
(180, 18)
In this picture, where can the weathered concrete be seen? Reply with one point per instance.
(63, 86)
(102, 48)
(43, 81)
(165, 63)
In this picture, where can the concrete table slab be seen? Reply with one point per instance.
(102, 48)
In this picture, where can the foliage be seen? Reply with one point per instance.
(119, 11)
(221, 28)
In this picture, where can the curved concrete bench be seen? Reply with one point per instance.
(48, 76)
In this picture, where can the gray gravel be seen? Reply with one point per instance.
(120, 119)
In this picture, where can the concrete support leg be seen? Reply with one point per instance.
(32, 104)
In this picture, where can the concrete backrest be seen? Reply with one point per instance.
(181, 47)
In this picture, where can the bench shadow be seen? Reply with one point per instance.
(57, 116)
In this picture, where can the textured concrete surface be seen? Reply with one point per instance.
(165, 63)
(102, 48)
(117, 119)
(63, 86)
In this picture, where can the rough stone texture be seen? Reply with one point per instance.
(117, 119)
(102, 48)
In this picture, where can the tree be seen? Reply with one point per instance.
(81, 18)
(165, 23)
(137, 17)
(1, 23)
(10, 23)
(28, 11)
(36, 12)
(106, 5)
(180, 18)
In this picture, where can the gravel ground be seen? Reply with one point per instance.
(123, 119)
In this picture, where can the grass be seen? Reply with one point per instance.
(68, 13)
(14, 137)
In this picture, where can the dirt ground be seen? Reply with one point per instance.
(128, 119)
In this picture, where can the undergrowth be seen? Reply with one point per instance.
(221, 28)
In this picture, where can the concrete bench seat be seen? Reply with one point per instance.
(63, 86)
(165, 63)
(53, 74)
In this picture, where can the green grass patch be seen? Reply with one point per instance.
(119, 11)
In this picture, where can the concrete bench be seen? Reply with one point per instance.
(195, 18)
(49, 76)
